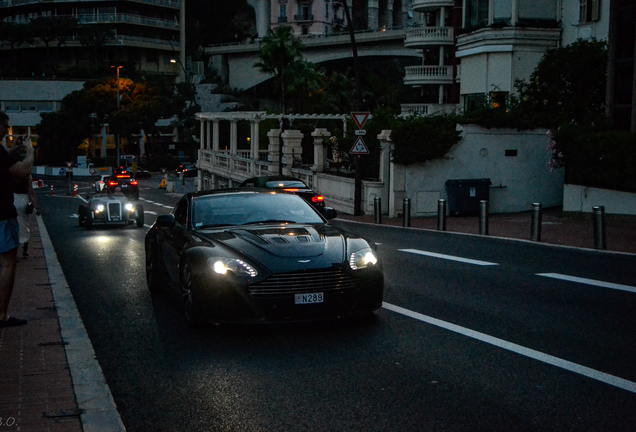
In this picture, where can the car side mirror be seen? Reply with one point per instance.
(165, 221)
(330, 213)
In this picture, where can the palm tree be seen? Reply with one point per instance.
(279, 49)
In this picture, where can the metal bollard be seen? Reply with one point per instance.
(377, 210)
(441, 215)
(599, 227)
(535, 229)
(406, 212)
(483, 217)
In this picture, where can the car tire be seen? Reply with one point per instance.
(140, 216)
(151, 270)
(88, 223)
(188, 297)
(80, 215)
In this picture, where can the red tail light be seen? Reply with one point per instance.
(318, 199)
(291, 190)
(134, 182)
(112, 183)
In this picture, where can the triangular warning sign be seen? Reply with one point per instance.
(359, 147)
(360, 118)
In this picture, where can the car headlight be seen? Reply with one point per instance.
(362, 259)
(99, 208)
(130, 207)
(222, 265)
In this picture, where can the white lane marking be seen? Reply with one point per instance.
(150, 212)
(589, 282)
(518, 349)
(156, 203)
(448, 257)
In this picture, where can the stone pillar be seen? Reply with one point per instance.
(373, 10)
(273, 150)
(215, 135)
(292, 148)
(208, 135)
(202, 134)
(386, 147)
(254, 144)
(320, 151)
(389, 14)
(233, 137)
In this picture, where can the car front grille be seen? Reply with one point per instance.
(114, 211)
(303, 282)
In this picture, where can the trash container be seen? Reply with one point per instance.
(464, 195)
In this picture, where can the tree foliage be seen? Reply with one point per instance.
(422, 139)
(568, 84)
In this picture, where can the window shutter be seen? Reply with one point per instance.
(583, 11)
(596, 10)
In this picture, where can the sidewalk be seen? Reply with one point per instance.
(557, 227)
(50, 379)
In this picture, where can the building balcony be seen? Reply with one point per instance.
(126, 18)
(166, 3)
(409, 110)
(431, 5)
(422, 75)
(421, 37)
(303, 17)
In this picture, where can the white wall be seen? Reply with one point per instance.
(517, 181)
(583, 199)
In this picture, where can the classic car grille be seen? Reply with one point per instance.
(114, 211)
(302, 282)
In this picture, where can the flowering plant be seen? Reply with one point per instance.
(556, 160)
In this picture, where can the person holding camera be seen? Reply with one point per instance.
(9, 227)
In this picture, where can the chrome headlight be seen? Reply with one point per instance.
(99, 208)
(130, 207)
(222, 265)
(362, 259)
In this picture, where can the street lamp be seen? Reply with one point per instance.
(117, 67)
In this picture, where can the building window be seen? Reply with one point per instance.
(589, 10)
(474, 101)
(499, 99)
(476, 13)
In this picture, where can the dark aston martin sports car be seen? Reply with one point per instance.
(110, 209)
(257, 255)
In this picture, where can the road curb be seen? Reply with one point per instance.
(93, 396)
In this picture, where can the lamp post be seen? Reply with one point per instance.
(118, 155)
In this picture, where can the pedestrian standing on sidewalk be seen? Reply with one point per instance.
(9, 228)
(25, 202)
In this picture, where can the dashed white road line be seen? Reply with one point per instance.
(585, 281)
(518, 349)
(448, 257)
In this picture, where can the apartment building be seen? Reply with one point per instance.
(475, 50)
(35, 74)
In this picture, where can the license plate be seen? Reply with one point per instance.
(309, 298)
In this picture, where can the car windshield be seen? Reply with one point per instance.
(250, 208)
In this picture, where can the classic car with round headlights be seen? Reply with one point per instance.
(257, 255)
(110, 209)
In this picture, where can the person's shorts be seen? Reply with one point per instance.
(9, 235)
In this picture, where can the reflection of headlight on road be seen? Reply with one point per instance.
(362, 259)
(130, 207)
(221, 265)
(99, 208)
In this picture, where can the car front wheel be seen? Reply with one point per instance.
(140, 216)
(88, 222)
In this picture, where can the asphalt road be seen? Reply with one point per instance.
(477, 334)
